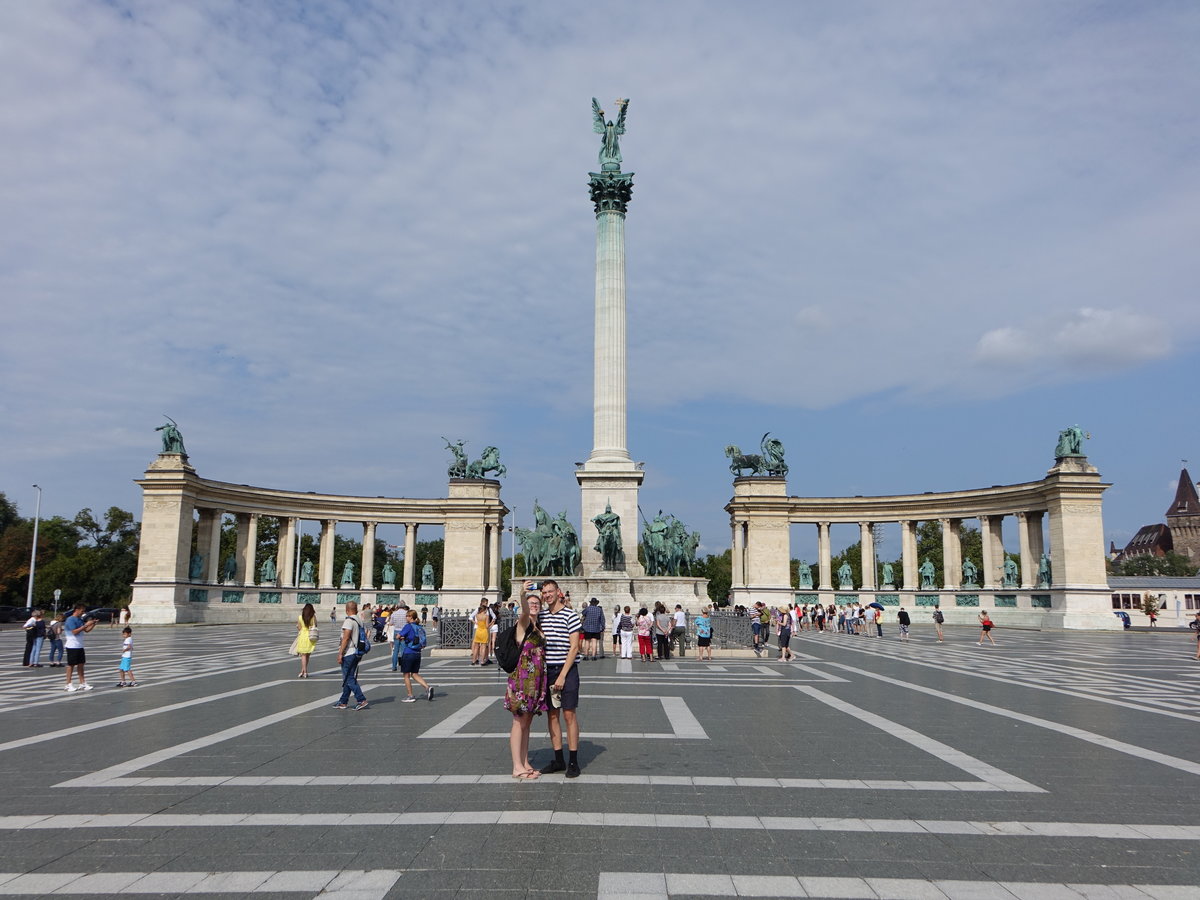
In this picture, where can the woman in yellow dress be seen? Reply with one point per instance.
(306, 639)
(479, 642)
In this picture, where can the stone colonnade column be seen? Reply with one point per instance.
(494, 558)
(410, 553)
(1037, 546)
(210, 542)
(951, 554)
(325, 571)
(247, 546)
(824, 557)
(738, 578)
(286, 557)
(366, 579)
(987, 525)
(908, 554)
(1026, 549)
(867, 543)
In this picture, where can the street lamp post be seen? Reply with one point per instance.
(512, 562)
(37, 516)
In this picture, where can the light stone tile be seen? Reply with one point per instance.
(786, 823)
(632, 884)
(1109, 891)
(166, 883)
(680, 821)
(905, 889)
(973, 890)
(525, 817)
(229, 882)
(39, 882)
(894, 826)
(703, 885)
(308, 881)
(100, 883)
(1170, 891)
(1032, 890)
(854, 888)
(768, 886)
(734, 822)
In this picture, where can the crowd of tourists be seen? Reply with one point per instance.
(66, 633)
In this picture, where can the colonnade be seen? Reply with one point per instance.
(1059, 516)
(178, 505)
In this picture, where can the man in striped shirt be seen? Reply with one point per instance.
(561, 626)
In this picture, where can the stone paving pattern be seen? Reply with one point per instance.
(1052, 765)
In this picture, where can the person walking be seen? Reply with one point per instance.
(39, 639)
(54, 635)
(616, 632)
(663, 623)
(785, 636)
(1195, 626)
(903, 618)
(525, 696)
(412, 637)
(623, 625)
(73, 631)
(561, 626)
(126, 667)
(645, 627)
(479, 642)
(30, 634)
(592, 617)
(679, 630)
(396, 623)
(353, 636)
(985, 628)
(704, 635)
(306, 637)
(938, 619)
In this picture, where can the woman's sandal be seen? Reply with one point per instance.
(526, 776)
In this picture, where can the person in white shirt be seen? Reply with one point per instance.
(126, 668)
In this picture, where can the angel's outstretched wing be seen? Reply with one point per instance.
(624, 104)
(598, 117)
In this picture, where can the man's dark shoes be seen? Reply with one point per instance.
(572, 770)
(551, 767)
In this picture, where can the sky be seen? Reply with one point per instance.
(912, 241)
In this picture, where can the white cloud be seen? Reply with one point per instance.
(1089, 339)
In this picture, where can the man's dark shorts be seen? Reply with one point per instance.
(75, 656)
(592, 635)
(570, 693)
(756, 627)
(410, 663)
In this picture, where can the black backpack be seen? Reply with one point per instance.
(508, 654)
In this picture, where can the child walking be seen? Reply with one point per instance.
(126, 667)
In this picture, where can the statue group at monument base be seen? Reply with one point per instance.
(612, 588)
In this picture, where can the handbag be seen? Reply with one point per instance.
(313, 632)
(292, 651)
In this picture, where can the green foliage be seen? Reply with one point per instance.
(1151, 603)
(87, 560)
(1173, 564)
(718, 569)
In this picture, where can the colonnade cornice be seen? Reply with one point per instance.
(247, 499)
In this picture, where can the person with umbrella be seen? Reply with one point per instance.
(878, 615)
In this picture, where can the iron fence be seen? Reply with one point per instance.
(457, 627)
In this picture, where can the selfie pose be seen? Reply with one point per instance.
(527, 685)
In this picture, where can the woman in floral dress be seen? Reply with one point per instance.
(526, 694)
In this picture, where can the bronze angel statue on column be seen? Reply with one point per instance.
(610, 148)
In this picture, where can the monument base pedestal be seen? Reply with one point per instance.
(612, 588)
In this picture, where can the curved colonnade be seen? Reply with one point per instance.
(1060, 516)
(177, 502)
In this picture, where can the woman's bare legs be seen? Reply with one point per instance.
(518, 744)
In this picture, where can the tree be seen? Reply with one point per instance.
(1151, 603)
(718, 569)
(1173, 564)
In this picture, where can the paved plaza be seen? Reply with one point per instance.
(1051, 766)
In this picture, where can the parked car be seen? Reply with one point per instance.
(102, 614)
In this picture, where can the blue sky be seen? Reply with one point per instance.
(913, 241)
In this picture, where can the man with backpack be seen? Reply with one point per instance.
(412, 641)
(354, 646)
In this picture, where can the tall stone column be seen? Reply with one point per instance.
(951, 554)
(495, 558)
(247, 545)
(609, 477)
(824, 558)
(209, 543)
(908, 554)
(1028, 565)
(867, 543)
(1037, 545)
(286, 563)
(367, 581)
(325, 566)
(410, 554)
(738, 558)
(987, 526)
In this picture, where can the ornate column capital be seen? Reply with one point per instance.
(610, 191)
